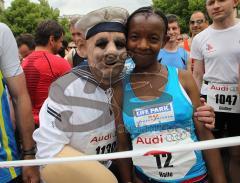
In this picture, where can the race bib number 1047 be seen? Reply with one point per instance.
(223, 97)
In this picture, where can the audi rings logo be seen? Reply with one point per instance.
(176, 136)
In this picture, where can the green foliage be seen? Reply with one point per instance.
(181, 8)
(197, 5)
(238, 11)
(65, 24)
(23, 16)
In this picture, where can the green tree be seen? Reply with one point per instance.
(65, 23)
(23, 16)
(238, 11)
(181, 8)
(197, 5)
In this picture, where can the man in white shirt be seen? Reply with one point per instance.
(216, 55)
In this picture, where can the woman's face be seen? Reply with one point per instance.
(145, 38)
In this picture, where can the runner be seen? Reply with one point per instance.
(26, 45)
(42, 66)
(216, 51)
(157, 111)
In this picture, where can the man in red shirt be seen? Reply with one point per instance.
(42, 66)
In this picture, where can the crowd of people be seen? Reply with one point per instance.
(124, 82)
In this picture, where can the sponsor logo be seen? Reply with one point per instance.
(177, 136)
(174, 136)
(153, 110)
(209, 47)
(150, 140)
(97, 139)
(224, 88)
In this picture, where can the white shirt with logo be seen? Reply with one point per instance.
(220, 50)
(87, 129)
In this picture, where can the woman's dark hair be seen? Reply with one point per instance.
(148, 10)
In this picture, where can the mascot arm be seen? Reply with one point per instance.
(79, 172)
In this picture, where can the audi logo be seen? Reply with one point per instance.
(179, 136)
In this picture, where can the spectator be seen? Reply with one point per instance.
(26, 45)
(172, 54)
(71, 45)
(42, 66)
(75, 56)
(197, 23)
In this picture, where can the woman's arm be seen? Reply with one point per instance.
(211, 156)
(123, 142)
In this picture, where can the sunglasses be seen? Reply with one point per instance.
(192, 22)
(77, 34)
(71, 47)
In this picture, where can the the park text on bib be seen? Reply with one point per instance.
(154, 114)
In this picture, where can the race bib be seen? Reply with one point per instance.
(102, 143)
(223, 97)
(169, 166)
(154, 114)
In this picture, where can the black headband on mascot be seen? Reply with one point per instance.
(106, 27)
